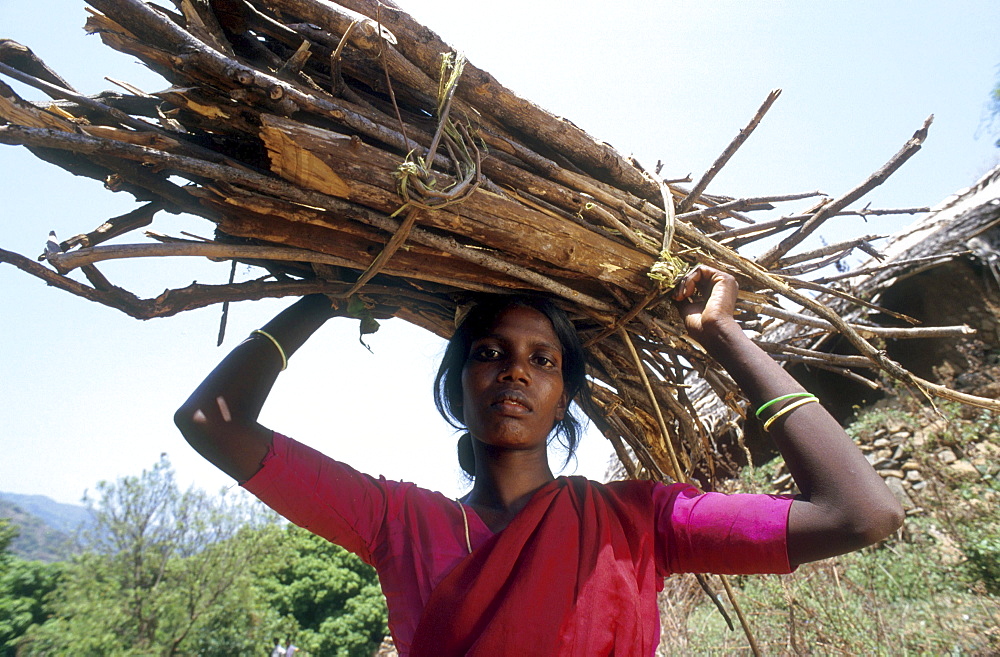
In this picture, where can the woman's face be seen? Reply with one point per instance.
(512, 381)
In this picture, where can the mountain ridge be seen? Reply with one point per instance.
(46, 528)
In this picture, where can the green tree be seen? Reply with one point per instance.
(329, 599)
(24, 590)
(161, 567)
(995, 110)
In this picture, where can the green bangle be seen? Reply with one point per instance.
(281, 352)
(782, 398)
(788, 409)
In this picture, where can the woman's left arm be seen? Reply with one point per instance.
(844, 505)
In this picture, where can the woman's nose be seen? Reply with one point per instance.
(514, 370)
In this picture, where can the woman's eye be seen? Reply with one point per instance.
(487, 353)
(545, 361)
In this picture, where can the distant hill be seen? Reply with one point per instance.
(45, 528)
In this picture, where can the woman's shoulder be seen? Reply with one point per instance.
(630, 486)
(634, 491)
(290, 462)
(639, 494)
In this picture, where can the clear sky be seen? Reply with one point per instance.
(88, 393)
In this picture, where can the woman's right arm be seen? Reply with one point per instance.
(219, 419)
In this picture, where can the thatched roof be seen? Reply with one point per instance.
(944, 269)
(964, 225)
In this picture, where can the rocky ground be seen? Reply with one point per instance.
(932, 589)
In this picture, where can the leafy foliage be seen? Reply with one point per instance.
(24, 589)
(331, 601)
(171, 572)
(7, 535)
(160, 564)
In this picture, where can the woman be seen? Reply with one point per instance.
(527, 563)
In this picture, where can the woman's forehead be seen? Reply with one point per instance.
(521, 321)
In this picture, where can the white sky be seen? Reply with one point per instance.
(87, 394)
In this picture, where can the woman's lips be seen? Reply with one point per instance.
(513, 401)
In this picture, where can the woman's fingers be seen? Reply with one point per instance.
(703, 281)
(688, 285)
(706, 298)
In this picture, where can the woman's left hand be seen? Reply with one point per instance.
(706, 299)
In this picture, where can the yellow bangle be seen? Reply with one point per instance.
(281, 352)
(782, 398)
(788, 409)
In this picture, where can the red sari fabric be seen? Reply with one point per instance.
(571, 575)
(581, 564)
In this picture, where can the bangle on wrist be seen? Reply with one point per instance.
(277, 345)
(788, 409)
(793, 395)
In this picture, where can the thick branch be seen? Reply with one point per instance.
(172, 302)
(281, 189)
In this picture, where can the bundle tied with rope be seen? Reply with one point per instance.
(343, 148)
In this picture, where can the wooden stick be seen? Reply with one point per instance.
(390, 248)
(913, 145)
(867, 212)
(115, 227)
(626, 318)
(864, 331)
(800, 284)
(745, 204)
(225, 309)
(79, 99)
(23, 59)
(829, 249)
(825, 365)
(69, 261)
(172, 302)
(739, 614)
(811, 355)
(889, 266)
(763, 227)
(728, 153)
(807, 267)
(679, 474)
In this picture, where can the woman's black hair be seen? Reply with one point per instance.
(480, 319)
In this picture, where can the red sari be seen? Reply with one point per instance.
(576, 573)
(573, 574)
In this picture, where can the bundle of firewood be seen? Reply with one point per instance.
(345, 149)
